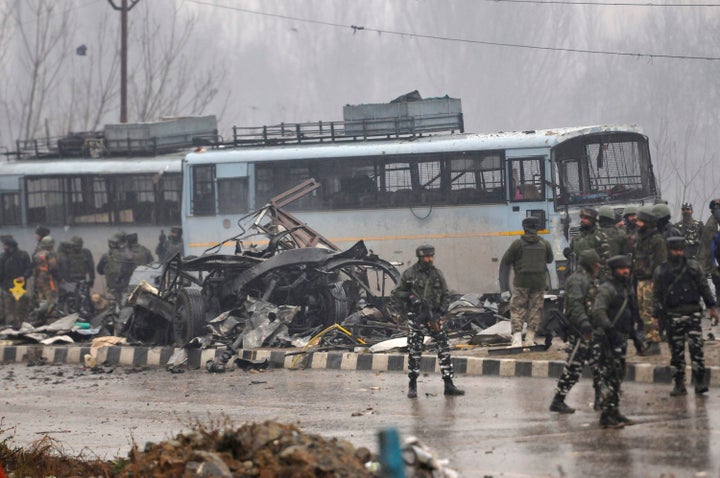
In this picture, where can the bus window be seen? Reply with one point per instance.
(46, 200)
(603, 168)
(476, 179)
(10, 209)
(168, 204)
(89, 200)
(203, 190)
(135, 198)
(232, 195)
(527, 180)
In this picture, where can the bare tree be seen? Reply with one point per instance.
(43, 36)
(164, 81)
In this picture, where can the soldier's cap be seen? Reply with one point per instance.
(8, 240)
(589, 213)
(588, 258)
(425, 250)
(132, 238)
(715, 203)
(42, 231)
(616, 262)
(686, 205)
(77, 240)
(630, 210)
(645, 214)
(675, 242)
(531, 223)
(661, 210)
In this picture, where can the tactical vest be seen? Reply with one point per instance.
(77, 267)
(682, 290)
(532, 259)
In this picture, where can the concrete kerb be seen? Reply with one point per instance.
(140, 356)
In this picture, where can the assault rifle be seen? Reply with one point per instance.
(425, 314)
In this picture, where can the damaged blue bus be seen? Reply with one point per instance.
(464, 193)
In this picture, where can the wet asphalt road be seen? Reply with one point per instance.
(500, 428)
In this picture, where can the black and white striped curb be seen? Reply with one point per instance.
(159, 356)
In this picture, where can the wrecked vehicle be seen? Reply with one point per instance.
(298, 267)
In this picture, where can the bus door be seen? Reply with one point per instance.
(527, 190)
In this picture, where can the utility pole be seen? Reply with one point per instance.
(124, 8)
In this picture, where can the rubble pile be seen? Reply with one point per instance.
(267, 449)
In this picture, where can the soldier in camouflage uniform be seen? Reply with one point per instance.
(423, 293)
(609, 240)
(15, 265)
(691, 230)
(116, 265)
(663, 224)
(586, 238)
(679, 284)
(528, 257)
(580, 290)
(613, 324)
(650, 252)
(46, 273)
(630, 227)
(141, 255)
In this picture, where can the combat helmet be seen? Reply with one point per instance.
(47, 243)
(645, 214)
(616, 262)
(606, 212)
(588, 258)
(589, 213)
(531, 223)
(630, 210)
(661, 211)
(425, 250)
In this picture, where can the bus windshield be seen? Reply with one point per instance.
(603, 168)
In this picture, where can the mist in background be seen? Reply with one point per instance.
(515, 65)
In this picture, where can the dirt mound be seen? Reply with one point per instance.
(267, 449)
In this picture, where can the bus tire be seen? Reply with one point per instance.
(335, 304)
(189, 318)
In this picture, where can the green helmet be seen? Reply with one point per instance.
(661, 211)
(588, 258)
(607, 212)
(425, 250)
(645, 214)
(630, 210)
(47, 243)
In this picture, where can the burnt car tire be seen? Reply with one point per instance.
(189, 319)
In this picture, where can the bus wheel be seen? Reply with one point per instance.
(335, 304)
(189, 318)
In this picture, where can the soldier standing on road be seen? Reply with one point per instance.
(580, 290)
(15, 265)
(527, 256)
(691, 230)
(709, 253)
(630, 227)
(116, 265)
(610, 241)
(423, 293)
(613, 324)
(171, 245)
(679, 284)
(586, 239)
(650, 252)
(663, 224)
(46, 272)
(141, 255)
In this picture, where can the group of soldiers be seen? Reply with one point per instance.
(635, 277)
(36, 282)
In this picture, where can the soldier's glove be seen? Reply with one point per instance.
(505, 296)
(414, 300)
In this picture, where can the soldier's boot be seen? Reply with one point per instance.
(558, 405)
(597, 405)
(529, 338)
(700, 385)
(623, 419)
(608, 420)
(516, 340)
(412, 388)
(679, 388)
(451, 389)
(651, 348)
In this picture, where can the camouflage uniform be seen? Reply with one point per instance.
(613, 322)
(692, 232)
(46, 273)
(424, 283)
(650, 252)
(528, 257)
(709, 252)
(141, 255)
(609, 242)
(679, 284)
(76, 262)
(580, 291)
(14, 264)
(116, 265)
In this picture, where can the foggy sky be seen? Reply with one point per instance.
(294, 71)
